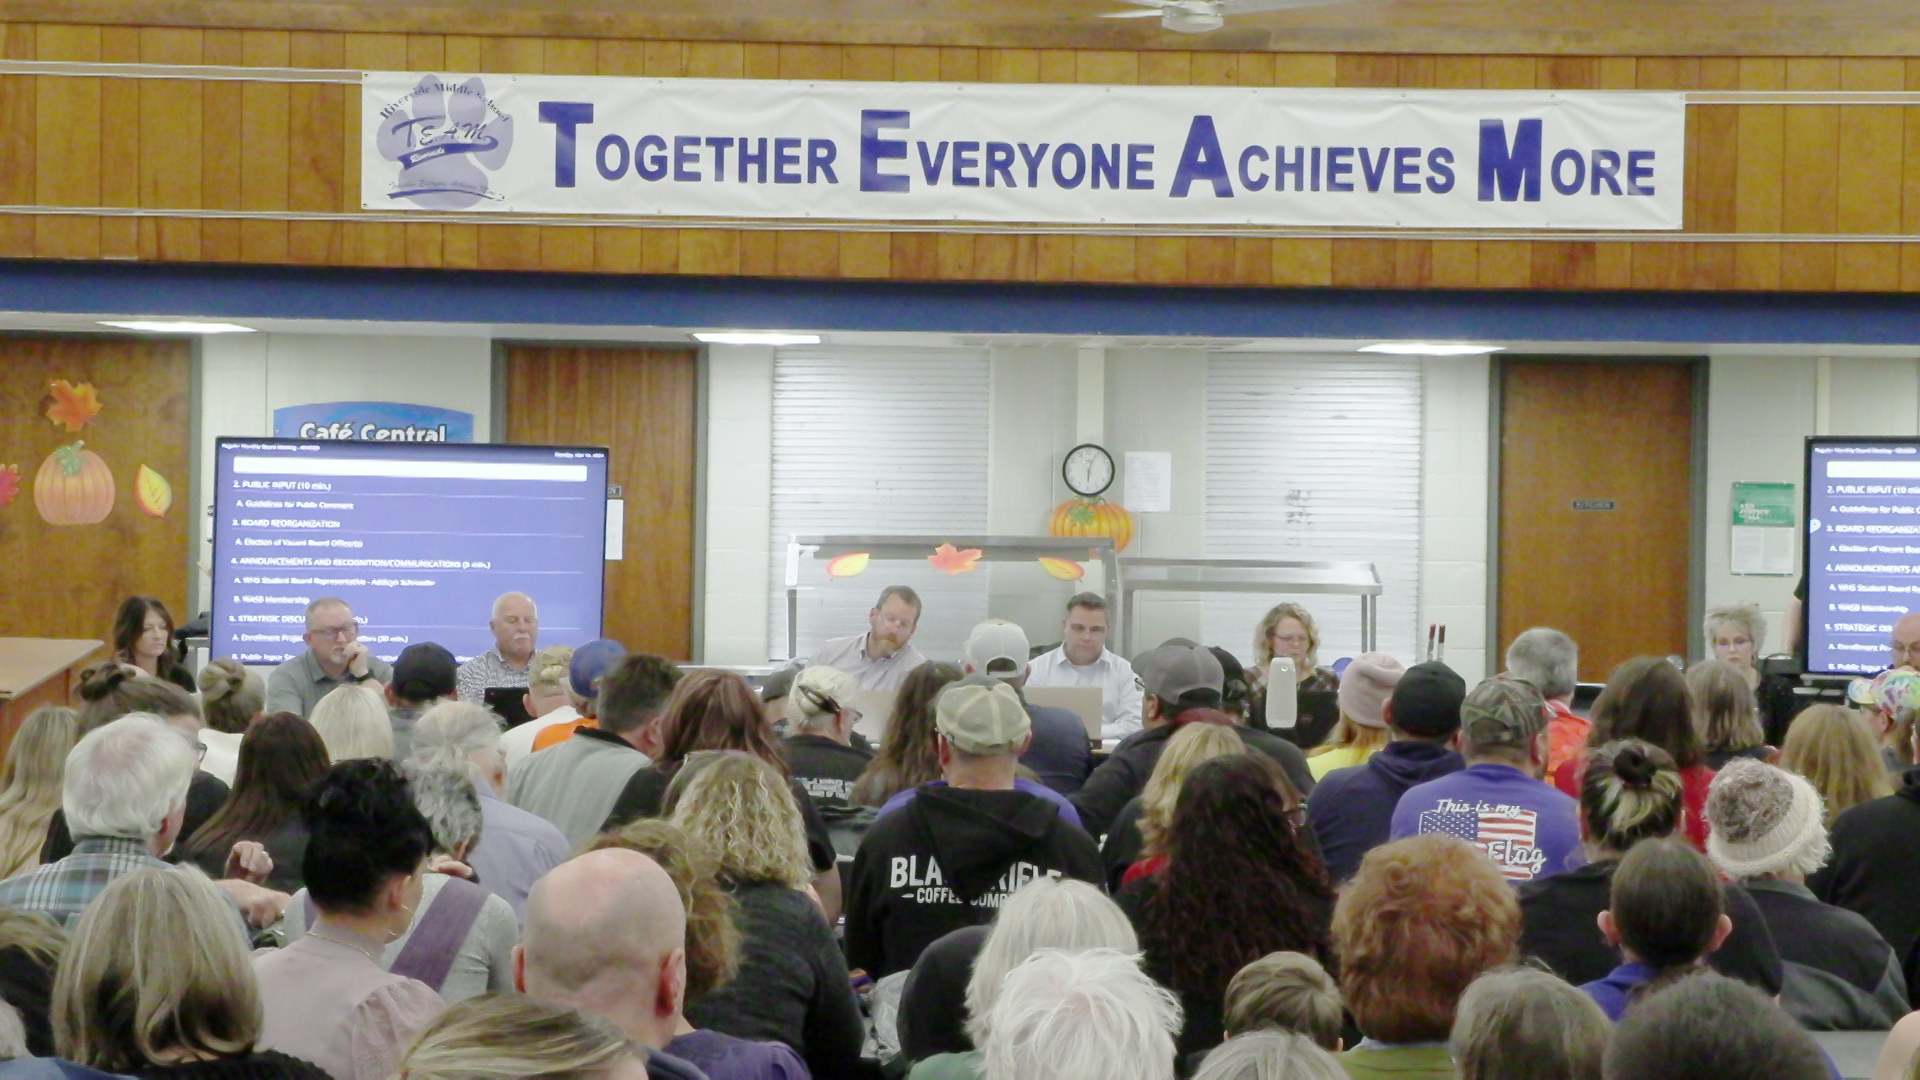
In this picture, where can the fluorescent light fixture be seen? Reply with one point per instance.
(1431, 348)
(177, 326)
(755, 337)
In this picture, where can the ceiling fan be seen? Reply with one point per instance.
(1200, 16)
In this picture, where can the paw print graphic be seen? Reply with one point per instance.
(442, 135)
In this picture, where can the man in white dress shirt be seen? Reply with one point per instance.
(881, 658)
(1083, 660)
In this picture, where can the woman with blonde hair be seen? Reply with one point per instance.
(792, 985)
(1724, 714)
(1836, 751)
(157, 983)
(30, 784)
(713, 940)
(231, 695)
(1135, 844)
(1362, 730)
(1288, 630)
(517, 1037)
(352, 722)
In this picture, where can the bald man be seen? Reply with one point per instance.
(516, 633)
(1906, 642)
(606, 934)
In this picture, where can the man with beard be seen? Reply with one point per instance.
(516, 633)
(881, 658)
(335, 656)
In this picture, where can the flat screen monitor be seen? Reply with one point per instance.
(419, 538)
(1862, 549)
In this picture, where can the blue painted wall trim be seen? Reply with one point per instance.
(241, 292)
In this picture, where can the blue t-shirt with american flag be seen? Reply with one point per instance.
(1528, 828)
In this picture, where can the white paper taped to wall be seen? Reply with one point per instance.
(1149, 482)
(616, 529)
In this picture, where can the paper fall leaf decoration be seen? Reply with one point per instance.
(1064, 569)
(73, 406)
(9, 483)
(849, 565)
(949, 561)
(152, 492)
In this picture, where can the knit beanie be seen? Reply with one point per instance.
(1365, 687)
(1764, 820)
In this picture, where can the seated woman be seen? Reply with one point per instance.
(1664, 916)
(1519, 1024)
(461, 937)
(1289, 630)
(30, 785)
(326, 998)
(1421, 920)
(1737, 635)
(793, 986)
(1646, 698)
(1768, 834)
(1724, 715)
(1234, 853)
(1136, 842)
(1364, 689)
(143, 637)
(713, 940)
(1630, 792)
(1045, 913)
(281, 757)
(1837, 752)
(516, 1037)
(907, 757)
(231, 696)
(156, 984)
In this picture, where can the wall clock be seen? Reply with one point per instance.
(1088, 470)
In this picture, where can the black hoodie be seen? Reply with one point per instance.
(1875, 868)
(948, 860)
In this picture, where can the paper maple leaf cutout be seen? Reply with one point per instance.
(946, 560)
(74, 406)
(9, 483)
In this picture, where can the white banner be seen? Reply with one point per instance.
(1054, 154)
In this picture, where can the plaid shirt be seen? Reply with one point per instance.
(489, 669)
(62, 890)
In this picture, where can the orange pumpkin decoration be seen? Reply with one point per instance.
(1093, 517)
(73, 487)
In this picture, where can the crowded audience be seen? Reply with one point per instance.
(642, 879)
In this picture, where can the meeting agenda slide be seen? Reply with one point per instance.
(1863, 549)
(419, 538)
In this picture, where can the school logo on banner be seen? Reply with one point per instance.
(446, 138)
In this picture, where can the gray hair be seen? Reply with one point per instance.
(449, 801)
(353, 723)
(459, 735)
(1523, 1022)
(325, 602)
(1546, 658)
(500, 601)
(1045, 913)
(1745, 616)
(125, 777)
(1270, 1055)
(1092, 1013)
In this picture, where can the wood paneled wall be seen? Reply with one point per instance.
(641, 405)
(66, 581)
(281, 149)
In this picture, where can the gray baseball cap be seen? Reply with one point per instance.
(1171, 671)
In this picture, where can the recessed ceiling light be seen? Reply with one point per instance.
(1431, 348)
(747, 337)
(177, 326)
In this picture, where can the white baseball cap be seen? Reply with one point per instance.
(998, 641)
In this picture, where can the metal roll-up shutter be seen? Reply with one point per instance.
(879, 441)
(1319, 458)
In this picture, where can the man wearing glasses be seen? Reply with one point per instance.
(1906, 641)
(334, 657)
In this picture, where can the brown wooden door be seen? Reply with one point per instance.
(71, 555)
(1575, 436)
(641, 404)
